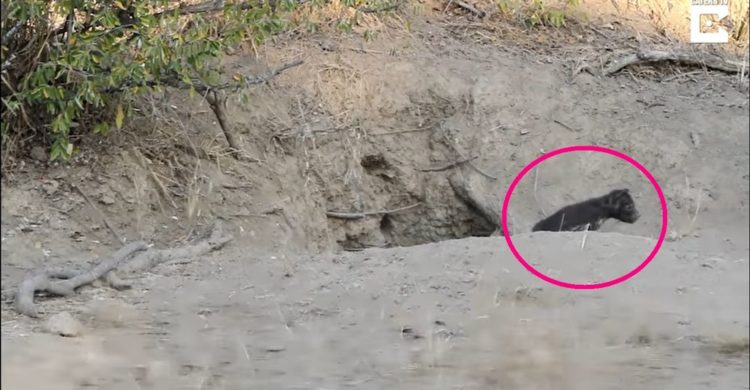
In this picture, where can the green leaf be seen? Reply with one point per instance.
(55, 153)
(101, 128)
(119, 117)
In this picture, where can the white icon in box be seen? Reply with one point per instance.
(709, 23)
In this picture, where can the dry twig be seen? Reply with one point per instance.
(401, 132)
(565, 126)
(351, 216)
(447, 166)
(371, 10)
(470, 8)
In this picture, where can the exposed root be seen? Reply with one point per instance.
(64, 282)
(148, 260)
(644, 56)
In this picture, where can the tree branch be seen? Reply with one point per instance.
(683, 57)
(340, 215)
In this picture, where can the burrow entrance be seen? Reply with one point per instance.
(417, 208)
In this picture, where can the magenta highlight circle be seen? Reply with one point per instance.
(585, 148)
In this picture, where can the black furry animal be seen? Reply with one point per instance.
(590, 214)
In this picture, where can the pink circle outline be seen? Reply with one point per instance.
(581, 148)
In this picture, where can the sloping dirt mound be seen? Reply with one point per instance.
(460, 313)
(365, 133)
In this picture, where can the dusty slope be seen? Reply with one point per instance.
(350, 321)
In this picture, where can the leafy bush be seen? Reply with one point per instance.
(77, 65)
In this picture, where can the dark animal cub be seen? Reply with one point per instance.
(590, 214)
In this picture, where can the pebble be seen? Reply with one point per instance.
(64, 324)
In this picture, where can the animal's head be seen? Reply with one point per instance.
(621, 206)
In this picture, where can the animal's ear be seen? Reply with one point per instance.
(619, 193)
(614, 196)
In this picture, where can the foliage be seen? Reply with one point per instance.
(71, 67)
(76, 65)
(536, 13)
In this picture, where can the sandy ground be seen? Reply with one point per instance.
(424, 304)
(455, 314)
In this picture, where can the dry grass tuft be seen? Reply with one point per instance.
(341, 88)
(691, 198)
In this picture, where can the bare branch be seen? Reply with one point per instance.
(371, 10)
(350, 216)
(447, 166)
(470, 8)
(644, 56)
(10, 33)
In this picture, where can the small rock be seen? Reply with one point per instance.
(328, 45)
(64, 324)
(106, 199)
(409, 333)
(695, 139)
(147, 375)
(105, 195)
(114, 313)
(524, 132)
(50, 187)
(39, 153)
(58, 174)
